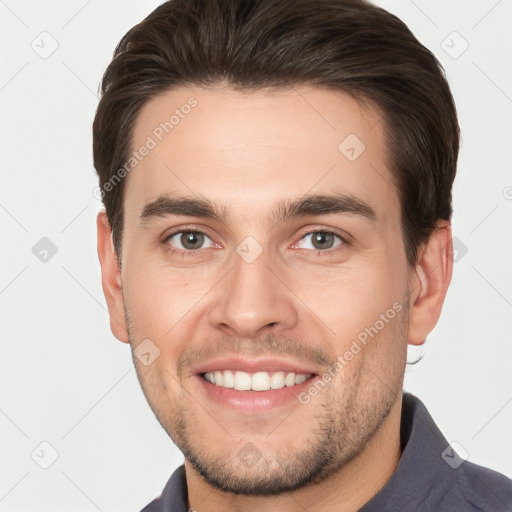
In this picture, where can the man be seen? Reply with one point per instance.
(277, 182)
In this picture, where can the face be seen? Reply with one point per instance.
(262, 246)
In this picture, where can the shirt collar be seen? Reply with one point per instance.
(422, 476)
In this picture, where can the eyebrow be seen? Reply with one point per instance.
(305, 206)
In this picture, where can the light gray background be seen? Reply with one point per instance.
(66, 381)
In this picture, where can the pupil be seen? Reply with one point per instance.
(190, 239)
(321, 238)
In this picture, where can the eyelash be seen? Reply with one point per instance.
(180, 252)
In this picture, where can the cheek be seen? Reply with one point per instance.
(354, 296)
(164, 305)
(159, 296)
(360, 307)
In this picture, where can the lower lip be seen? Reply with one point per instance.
(254, 401)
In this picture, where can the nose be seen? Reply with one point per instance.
(253, 298)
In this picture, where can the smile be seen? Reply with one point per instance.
(259, 381)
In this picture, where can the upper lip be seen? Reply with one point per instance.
(252, 366)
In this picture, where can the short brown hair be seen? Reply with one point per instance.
(351, 46)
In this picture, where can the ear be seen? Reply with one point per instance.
(429, 281)
(111, 278)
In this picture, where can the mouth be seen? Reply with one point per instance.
(254, 392)
(254, 385)
(257, 381)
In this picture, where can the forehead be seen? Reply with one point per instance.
(250, 149)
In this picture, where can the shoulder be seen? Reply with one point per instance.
(481, 489)
(174, 495)
(155, 506)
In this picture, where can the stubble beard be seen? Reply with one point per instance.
(347, 420)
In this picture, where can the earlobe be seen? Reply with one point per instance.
(111, 278)
(429, 283)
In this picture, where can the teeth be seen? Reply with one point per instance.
(289, 380)
(228, 379)
(242, 381)
(300, 378)
(260, 381)
(277, 380)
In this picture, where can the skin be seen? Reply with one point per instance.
(248, 151)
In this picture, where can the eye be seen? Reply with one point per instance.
(187, 240)
(322, 240)
(190, 241)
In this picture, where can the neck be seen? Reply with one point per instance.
(356, 483)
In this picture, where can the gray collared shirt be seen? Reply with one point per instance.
(430, 477)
